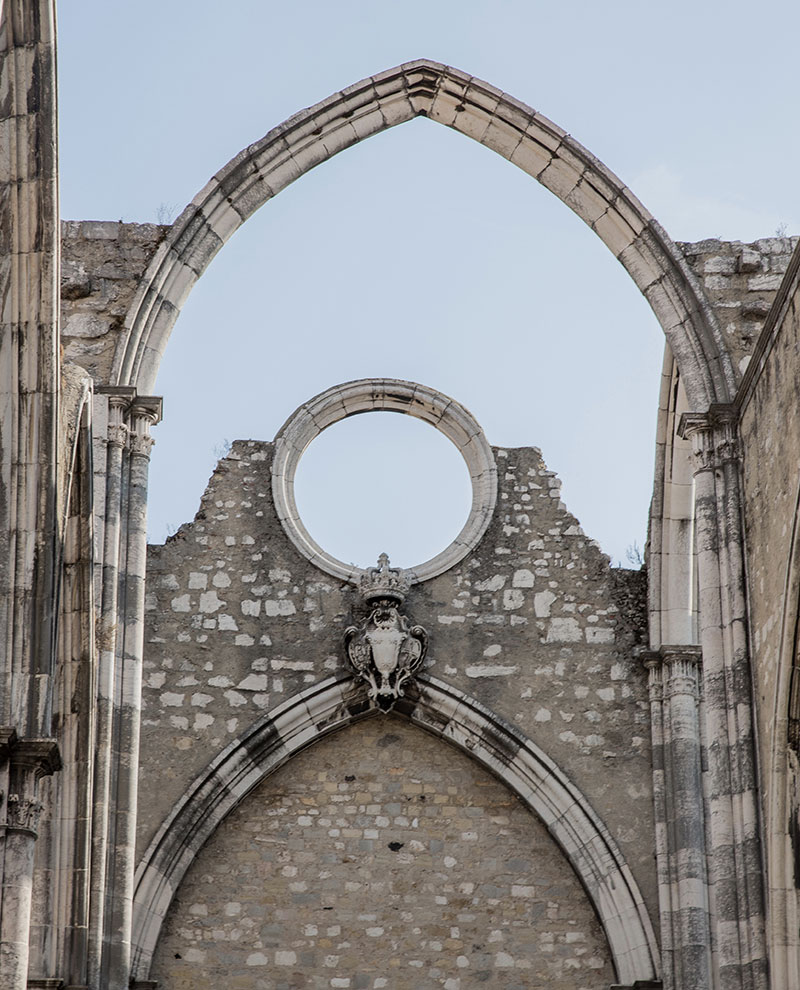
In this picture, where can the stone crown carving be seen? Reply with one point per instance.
(385, 649)
(384, 581)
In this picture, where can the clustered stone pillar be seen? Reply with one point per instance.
(121, 643)
(736, 882)
(29, 481)
(116, 440)
(128, 694)
(675, 690)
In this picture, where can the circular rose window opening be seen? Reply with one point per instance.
(382, 483)
(392, 486)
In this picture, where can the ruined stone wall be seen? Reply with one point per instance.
(770, 437)
(770, 432)
(381, 857)
(101, 264)
(103, 261)
(740, 281)
(534, 624)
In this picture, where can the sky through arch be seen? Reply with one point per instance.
(140, 135)
(425, 257)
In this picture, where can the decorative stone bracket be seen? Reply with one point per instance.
(385, 649)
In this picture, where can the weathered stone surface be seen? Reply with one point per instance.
(770, 431)
(382, 858)
(101, 265)
(531, 668)
(534, 623)
(740, 281)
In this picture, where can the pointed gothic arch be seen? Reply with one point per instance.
(447, 713)
(493, 118)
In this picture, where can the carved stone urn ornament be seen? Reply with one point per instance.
(385, 650)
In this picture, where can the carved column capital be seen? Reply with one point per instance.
(140, 443)
(652, 662)
(119, 400)
(713, 434)
(682, 665)
(673, 670)
(145, 412)
(30, 760)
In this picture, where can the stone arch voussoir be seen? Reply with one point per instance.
(450, 97)
(447, 713)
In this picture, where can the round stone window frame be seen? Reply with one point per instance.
(384, 395)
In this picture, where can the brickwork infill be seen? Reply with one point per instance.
(381, 857)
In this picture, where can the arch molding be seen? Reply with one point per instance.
(447, 713)
(447, 96)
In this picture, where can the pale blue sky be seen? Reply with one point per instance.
(419, 254)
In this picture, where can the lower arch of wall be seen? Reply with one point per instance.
(381, 857)
(446, 713)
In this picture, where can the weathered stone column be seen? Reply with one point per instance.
(27, 762)
(29, 395)
(59, 915)
(674, 683)
(736, 865)
(116, 441)
(29, 362)
(144, 412)
(655, 684)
